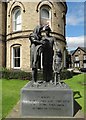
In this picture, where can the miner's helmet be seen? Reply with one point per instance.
(47, 28)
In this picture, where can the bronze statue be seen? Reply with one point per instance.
(36, 43)
(47, 55)
(57, 65)
(46, 44)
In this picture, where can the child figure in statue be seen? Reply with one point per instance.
(57, 65)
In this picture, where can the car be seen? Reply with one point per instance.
(83, 69)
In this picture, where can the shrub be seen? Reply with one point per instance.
(4, 73)
(17, 74)
(22, 75)
(65, 74)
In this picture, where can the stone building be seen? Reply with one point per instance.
(2, 34)
(79, 58)
(21, 18)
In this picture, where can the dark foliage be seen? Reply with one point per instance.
(65, 74)
(22, 75)
(15, 74)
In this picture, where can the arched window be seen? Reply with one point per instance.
(45, 15)
(17, 19)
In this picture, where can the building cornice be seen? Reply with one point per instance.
(22, 31)
(19, 35)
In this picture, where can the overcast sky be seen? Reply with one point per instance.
(75, 25)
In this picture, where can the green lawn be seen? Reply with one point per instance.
(11, 91)
(0, 99)
(10, 94)
(77, 84)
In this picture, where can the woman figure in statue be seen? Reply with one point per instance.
(48, 53)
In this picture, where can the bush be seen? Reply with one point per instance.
(22, 75)
(11, 74)
(4, 73)
(65, 74)
(18, 74)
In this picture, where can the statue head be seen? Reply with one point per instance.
(38, 29)
(47, 29)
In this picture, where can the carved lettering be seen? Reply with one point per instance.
(47, 103)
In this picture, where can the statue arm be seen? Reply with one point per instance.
(33, 40)
(38, 42)
(43, 40)
(55, 45)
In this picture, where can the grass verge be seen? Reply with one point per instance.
(10, 94)
(0, 99)
(78, 85)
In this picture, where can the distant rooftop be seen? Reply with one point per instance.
(83, 48)
(73, 51)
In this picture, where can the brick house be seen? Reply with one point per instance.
(18, 20)
(79, 58)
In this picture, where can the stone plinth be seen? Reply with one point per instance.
(46, 100)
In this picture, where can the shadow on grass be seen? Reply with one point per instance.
(77, 107)
(77, 94)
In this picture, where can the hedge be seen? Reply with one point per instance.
(15, 74)
(65, 74)
(22, 75)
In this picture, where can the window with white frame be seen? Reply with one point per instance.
(76, 58)
(16, 57)
(84, 65)
(84, 57)
(77, 64)
(45, 15)
(17, 19)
